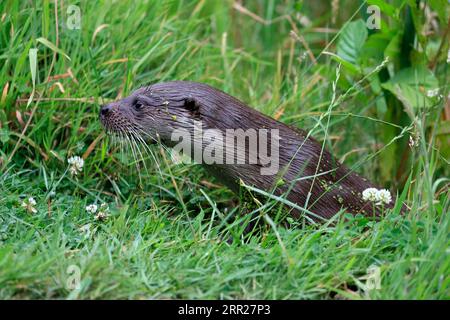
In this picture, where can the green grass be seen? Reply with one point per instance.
(166, 236)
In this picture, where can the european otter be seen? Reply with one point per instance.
(297, 166)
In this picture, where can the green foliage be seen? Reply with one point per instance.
(411, 86)
(404, 73)
(351, 41)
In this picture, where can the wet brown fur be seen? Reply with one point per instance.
(164, 107)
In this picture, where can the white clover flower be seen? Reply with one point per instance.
(76, 164)
(383, 196)
(448, 56)
(432, 93)
(92, 208)
(103, 212)
(28, 204)
(31, 201)
(370, 194)
(101, 216)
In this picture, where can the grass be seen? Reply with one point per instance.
(167, 230)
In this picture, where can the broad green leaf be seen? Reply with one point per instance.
(393, 48)
(385, 7)
(375, 46)
(380, 102)
(354, 69)
(441, 7)
(411, 85)
(51, 46)
(351, 41)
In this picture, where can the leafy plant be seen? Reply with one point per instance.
(405, 86)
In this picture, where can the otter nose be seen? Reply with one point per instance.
(104, 110)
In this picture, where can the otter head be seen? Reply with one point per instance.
(150, 113)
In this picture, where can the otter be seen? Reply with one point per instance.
(297, 169)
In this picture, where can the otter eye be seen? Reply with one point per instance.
(138, 105)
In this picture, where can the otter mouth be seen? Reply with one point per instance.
(122, 128)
